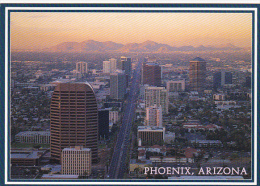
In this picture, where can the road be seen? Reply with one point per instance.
(118, 164)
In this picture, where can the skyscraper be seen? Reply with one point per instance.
(117, 85)
(106, 67)
(82, 68)
(151, 74)
(156, 96)
(197, 74)
(110, 66)
(74, 118)
(125, 64)
(221, 78)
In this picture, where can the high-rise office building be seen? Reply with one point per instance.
(110, 66)
(117, 85)
(103, 124)
(76, 161)
(154, 116)
(197, 74)
(221, 78)
(106, 67)
(81, 68)
(151, 74)
(125, 64)
(74, 118)
(156, 96)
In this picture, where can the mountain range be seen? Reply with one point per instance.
(147, 46)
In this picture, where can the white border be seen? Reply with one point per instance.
(129, 8)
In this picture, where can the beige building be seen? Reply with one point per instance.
(110, 66)
(156, 96)
(154, 116)
(113, 116)
(76, 161)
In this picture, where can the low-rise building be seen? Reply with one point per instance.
(151, 135)
(33, 137)
(76, 161)
(26, 157)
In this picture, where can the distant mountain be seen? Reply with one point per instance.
(85, 46)
(147, 46)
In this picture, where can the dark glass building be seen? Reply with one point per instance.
(74, 119)
(103, 124)
(221, 78)
(151, 74)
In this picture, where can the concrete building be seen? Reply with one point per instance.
(117, 85)
(151, 74)
(76, 161)
(81, 68)
(156, 96)
(74, 118)
(113, 116)
(154, 116)
(197, 74)
(176, 86)
(110, 66)
(150, 135)
(106, 67)
(33, 137)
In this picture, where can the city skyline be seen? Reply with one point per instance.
(30, 30)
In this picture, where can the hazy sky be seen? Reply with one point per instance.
(40, 30)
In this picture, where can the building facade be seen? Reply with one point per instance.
(221, 78)
(82, 68)
(33, 137)
(150, 135)
(156, 96)
(197, 74)
(154, 116)
(176, 86)
(113, 116)
(125, 64)
(103, 124)
(117, 85)
(76, 161)
(74, 119)
(110, 66)
(151, 74)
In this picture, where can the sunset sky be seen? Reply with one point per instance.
(41, 30)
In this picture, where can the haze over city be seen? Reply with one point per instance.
(31, 30)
